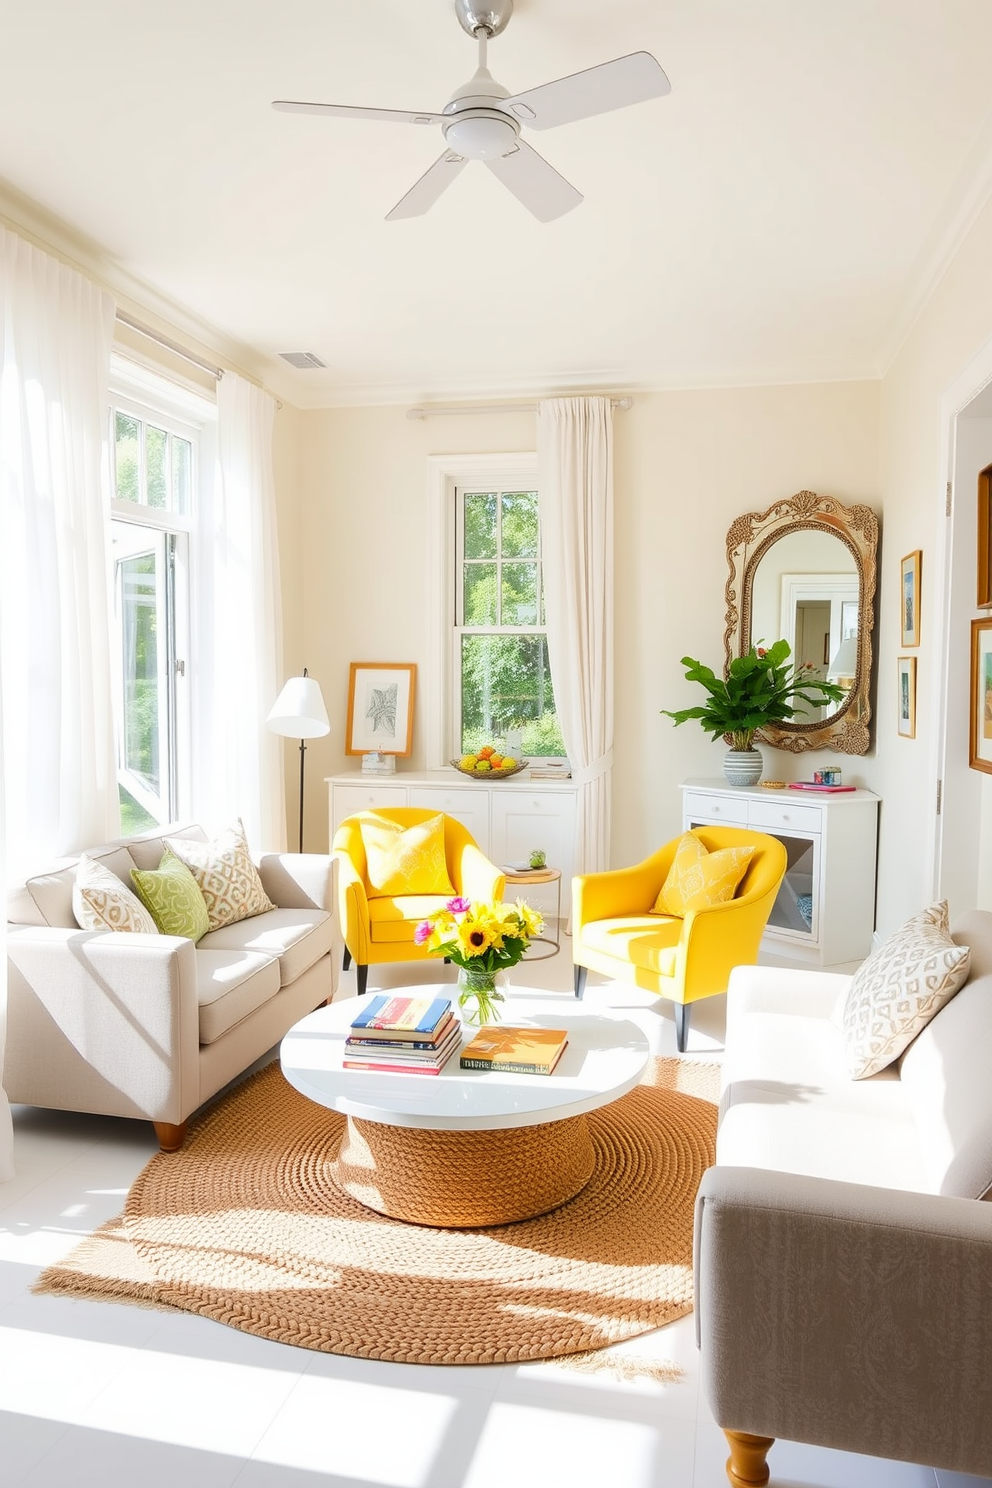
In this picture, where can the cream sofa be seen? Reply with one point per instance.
(843, 1256)
(151, 1026)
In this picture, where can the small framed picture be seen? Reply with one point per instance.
(907, 696)
(980, 733)
(985, 537)
(380, 707)
(909, 594)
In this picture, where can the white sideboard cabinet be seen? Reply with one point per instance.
(507, 818)
(825, 909)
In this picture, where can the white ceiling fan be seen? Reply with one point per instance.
(483, 119)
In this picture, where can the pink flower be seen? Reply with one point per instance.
(422, 932)
(458, 905)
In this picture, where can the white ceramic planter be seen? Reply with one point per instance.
(743, 766)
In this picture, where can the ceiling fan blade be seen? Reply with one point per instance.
(422, 196)
(346, 111)
(535, 183)
(598, 90)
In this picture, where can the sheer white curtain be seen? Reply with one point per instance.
(575, 486)
(58, 784)
(239, 763)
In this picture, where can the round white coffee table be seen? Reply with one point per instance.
(468, 1147)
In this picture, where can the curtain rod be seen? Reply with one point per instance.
(432, 410)
(160, 340)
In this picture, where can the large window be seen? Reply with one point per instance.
(154, 476)
(501, 671)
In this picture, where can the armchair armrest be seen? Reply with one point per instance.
(618, 891)
(299, 880)
(846, 1316)
(353, 907)
(479, 879)
(103, 1022)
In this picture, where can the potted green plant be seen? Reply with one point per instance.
(763, 686)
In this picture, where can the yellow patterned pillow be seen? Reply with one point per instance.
(699, 879)
(405, 860)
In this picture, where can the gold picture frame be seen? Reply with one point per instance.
(380, 707)
(980, 728)
(910, 575)
(985, 538)
(906, 697)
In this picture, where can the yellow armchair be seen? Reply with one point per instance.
(615, 933)
(379, 928)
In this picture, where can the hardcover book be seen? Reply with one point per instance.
(414, 1015)
(392, 1038)
(389, 1061)
(521, 1051)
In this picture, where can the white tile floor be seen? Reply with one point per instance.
(98, 1394)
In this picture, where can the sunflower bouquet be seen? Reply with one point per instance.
(482, 940)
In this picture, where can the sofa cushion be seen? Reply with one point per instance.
(405, 861)
(789, 1103)
(945, 1074)
(698, 879)
(52, 891)
(899, 988)
(101, 902)
(226, 875)
(147, 849)
(395, 919)
(297, 938)
(230, 984)
(650, 940)
(173, 896)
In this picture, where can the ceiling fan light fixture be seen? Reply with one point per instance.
(481, 136)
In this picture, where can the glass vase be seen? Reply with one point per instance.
(479, 995)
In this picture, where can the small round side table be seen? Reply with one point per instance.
(540, 876)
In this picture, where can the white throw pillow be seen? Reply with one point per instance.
(225, 874)
(101, 902)
(895, 993)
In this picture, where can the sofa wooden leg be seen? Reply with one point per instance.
(746, 1465)
(682, 1014)
(579, 979)
(170, 1138)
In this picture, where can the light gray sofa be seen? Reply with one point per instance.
(843, 1254)
(151, 1026)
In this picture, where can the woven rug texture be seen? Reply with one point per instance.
(245, 1225)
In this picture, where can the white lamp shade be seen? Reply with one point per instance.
(845, 663)
(298, 711)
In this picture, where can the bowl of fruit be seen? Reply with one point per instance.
(488, 764)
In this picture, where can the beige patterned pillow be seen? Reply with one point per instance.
(895, 993)
(226, 876)
(101, 902)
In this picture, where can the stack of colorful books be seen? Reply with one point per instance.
(403, 1035)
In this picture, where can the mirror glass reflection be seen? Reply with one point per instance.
(806, 589)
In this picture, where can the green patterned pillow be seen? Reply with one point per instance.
(172, 896)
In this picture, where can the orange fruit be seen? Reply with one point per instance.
(486, 751)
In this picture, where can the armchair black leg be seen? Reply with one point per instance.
(347, 959)
(579, 980)
(362, 973)
(682, 1011)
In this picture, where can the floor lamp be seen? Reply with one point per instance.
(299, 713)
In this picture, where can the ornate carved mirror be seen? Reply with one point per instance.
(805, 569)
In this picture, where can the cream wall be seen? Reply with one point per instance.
(952, 330)
(686, 464)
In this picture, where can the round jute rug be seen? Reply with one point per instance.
(245, 1225)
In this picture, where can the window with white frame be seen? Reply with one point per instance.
(154, 471)
(502, 691)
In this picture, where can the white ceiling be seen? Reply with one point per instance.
(781, 216)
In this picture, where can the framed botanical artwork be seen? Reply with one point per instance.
(980, 732)
(907, 696)
(380, 707)
(985, 537)
(909, 595)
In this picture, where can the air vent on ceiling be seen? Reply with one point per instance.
(302, 359)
